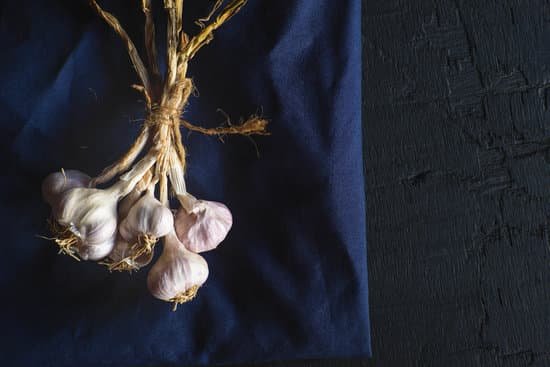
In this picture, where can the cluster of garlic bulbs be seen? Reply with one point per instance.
(120, 225)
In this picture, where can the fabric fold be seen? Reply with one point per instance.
(290, 280)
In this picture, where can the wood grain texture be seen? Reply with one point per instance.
(457, 129)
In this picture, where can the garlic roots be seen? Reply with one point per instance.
(120, 224)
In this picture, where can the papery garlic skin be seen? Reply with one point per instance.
(176, 272)
(204, 226)
(120, 251)
(91, 215)
(127, 203)
(120, 258)
(55, 184)
(95, 251)
(147, 217)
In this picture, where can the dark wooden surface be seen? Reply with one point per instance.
(457, 126)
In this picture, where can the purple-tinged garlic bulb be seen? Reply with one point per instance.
(177, 274)
(204, 225)
(200, 225)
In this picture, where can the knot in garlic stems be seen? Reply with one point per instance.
(178, 272)
(204, 225)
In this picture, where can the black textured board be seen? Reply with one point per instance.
(457, 128)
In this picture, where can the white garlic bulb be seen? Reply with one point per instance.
(178, 273)
(95, 251)
(91, 216)
(55, 184)
(147, 217)
(204, 226)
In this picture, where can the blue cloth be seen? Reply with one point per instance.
(289, 282)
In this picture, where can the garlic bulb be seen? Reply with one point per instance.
(147, 217)
(120, 258)
(90, 215)
(201, 225)
(127, 203)
(129, 200)
(55, 184)
(177, 274)
(204, 226)
(120, 251)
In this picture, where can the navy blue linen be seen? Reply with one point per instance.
(289, 282)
